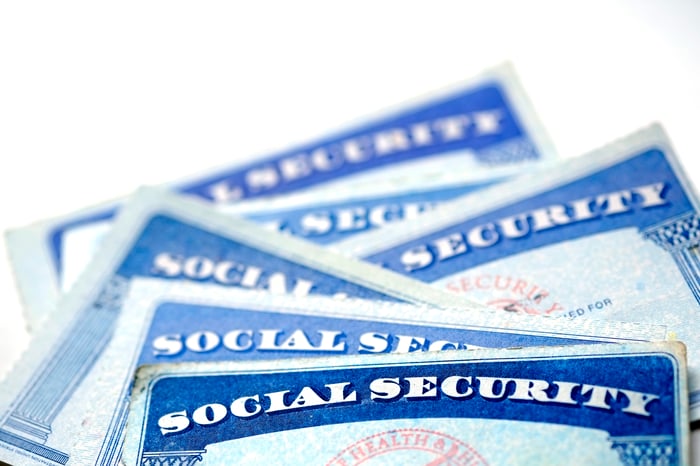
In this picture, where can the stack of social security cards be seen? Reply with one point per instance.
(357, 300)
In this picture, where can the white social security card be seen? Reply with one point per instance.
(592, 405)
(163, 235)
(484, 126)
(172, 321)
(611, 235)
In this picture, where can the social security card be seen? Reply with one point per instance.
(167, 321)
(319, 215)
(592, 405)
(326, 217)
(194, 322)
(484, 126)
(611, 235)
(162, 235)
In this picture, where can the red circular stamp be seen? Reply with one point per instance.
(506, 292)
(426, 447)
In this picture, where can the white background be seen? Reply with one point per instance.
(99, 98)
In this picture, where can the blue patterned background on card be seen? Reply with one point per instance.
(179, 322)
(488, 97)
(169, 248)
(649, 167)
(187, 393)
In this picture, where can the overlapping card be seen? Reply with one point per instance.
(602, 406)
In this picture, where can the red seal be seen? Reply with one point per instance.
(427, 447)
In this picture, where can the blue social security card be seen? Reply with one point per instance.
(178, 321)
(611, 235)
(484, 128)
(163, 235)
(328, 217)
(592, 404)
